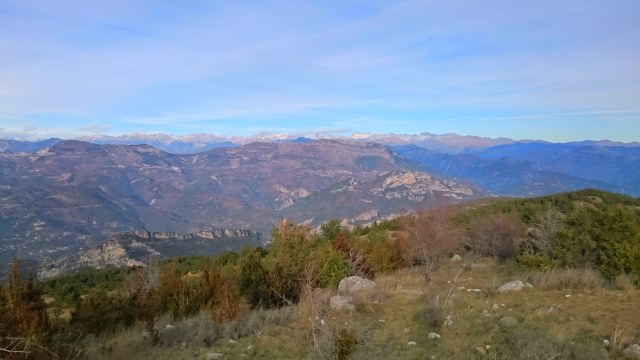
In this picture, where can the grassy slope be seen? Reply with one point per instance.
(385, 321)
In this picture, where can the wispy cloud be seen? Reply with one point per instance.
(289, 64)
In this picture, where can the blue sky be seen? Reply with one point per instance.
(553, 70)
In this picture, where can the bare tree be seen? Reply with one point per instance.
(543, 234)
(432, 235)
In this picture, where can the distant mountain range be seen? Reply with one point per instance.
(190, 144)
(538, 168)
(58, 197)
(73, 194)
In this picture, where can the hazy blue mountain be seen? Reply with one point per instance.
(26, 146)
(512, 176)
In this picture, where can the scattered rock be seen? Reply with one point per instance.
(411, 343)
(511, 286)
(508, 321)
(340, 302)
(456, 258)
(474, 290)
(480, 350)
(567, 296)
(382, 321)
(211, 356)
(449, 320)
(495, 306)
(632, 351)
(606, 343)
(169, 327)
(354, 284)
(433, 336)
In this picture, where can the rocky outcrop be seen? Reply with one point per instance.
(354, 284)
(129, 249)
(416, 186)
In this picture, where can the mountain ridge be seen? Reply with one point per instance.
(73, 194)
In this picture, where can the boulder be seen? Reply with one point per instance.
(340, 302)
(511, 286)
(353, 284)
(632, 351)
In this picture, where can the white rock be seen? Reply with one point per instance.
(170, 327)
(354, 284)
(456, 258)
(340, 302)
(632, 351)
(449, 320)
(411, 343)
(606, 343)
(495, 306)
(511, 286)
(433, 336)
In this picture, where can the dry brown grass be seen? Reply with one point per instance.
(385, 320)
(561, 279)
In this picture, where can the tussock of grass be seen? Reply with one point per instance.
(561, 279)
(625, 282)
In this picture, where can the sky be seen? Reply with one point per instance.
(530, 69)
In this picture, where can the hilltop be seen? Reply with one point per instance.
(553, 276)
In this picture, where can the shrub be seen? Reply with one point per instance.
(499, 236)
(433, 313)
(345, 342)
(253, 282)
(432, 236)
(608, 239)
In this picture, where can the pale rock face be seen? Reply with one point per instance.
(284, 197)
(368, 215)
(415, 186)
(355, 284)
